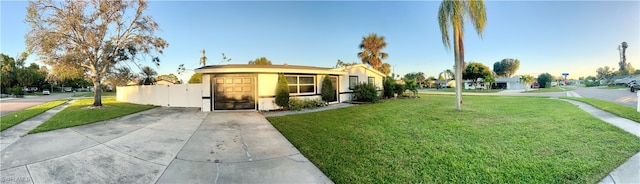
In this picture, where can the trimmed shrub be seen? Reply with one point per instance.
(399, 88)
(306, 103)
(412, 86)
(545, 80)
(591, 84)
(387, 86)
(16, 90)
(282, 92)
(328, 90)
(365, 92)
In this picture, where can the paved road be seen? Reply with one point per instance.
(621, 96)
(11, 105)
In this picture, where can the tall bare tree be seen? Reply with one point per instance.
(92, 35)
(120, 76)
(452, 14)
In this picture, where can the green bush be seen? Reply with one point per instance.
(591, 84)
(412, 86)
(365, 92)
(306, 103)
(545, 80)
(399, 88)
(387, 86)
(282, 92)
(328, 90)
(16, 90)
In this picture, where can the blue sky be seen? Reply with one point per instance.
(546, 36)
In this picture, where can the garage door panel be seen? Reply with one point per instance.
(234, 92)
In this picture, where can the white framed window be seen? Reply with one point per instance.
(353, 81)
(301, 84)
(372, 80)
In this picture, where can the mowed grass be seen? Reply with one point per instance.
(77, 114)
(614, 108)
(551, 89)
(493, 140)
(9, 120)
(469, 90)
(91, 94)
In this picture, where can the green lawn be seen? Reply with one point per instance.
(613, 87)
(614, 108)
(75, 114)
(551, 89)
(90, 94)
(495, 139)
(469, 90)
(9, 120)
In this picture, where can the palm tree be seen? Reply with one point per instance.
(446, 75)
(624, 57)
(527, 80)
(452, 14)
(203, 59)
(149, 76)
(372, 54)
(385, 68)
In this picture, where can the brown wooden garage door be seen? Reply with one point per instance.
(233, 92)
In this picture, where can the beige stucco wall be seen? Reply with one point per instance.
(267, 84)
(206, 92)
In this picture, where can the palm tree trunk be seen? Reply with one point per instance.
(458, 65)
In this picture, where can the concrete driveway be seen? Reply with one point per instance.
(162, 145)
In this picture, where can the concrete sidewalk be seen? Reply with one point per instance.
(628, 172)
(13, 134)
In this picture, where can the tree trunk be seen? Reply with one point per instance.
(458, 65)
(97, 97)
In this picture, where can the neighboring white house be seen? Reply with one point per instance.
(509, 83)
(163, 82)
(622, 80)
(468, 84)
(253, 87)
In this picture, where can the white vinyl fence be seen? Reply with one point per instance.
(177, 95)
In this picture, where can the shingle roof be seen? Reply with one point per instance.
(263, 66)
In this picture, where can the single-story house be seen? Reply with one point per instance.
(509, 83)
(253, 87)
(163, 82)
(603, 81)
(574, 82)
(622, 80)
(468, 84)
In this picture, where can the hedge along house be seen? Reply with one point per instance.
(253, 87)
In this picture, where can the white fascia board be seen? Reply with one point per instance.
(269, 70)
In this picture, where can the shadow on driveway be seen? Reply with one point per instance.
(161, 145)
